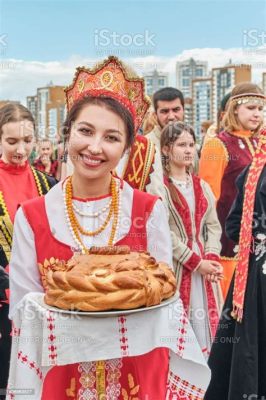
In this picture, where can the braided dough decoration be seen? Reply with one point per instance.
(109, 278)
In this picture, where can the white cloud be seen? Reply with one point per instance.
(21, 78)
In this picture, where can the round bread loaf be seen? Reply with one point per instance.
(109, 278)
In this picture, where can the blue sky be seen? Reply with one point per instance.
(44, 41)
(56, 30)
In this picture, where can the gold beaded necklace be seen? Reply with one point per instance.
(75, 226)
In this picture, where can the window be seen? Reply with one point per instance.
(224, 79)
(199, 72)
(52, 123)
(185, 82)
(186, 72)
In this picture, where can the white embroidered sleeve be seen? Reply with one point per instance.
(24, 273)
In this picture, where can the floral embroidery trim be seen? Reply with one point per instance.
(87, 380)
(51, 338)
(31, 364)
(132, 393)
(181, 389)
(113, 368)
(182, 333)
(123, 336)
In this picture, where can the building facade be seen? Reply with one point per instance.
(51, 111)
(223, 81)
(32, 105)
(188, 70)
(154, 82)
(188, 115)
(201, 102)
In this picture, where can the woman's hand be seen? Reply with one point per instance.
(212, 270)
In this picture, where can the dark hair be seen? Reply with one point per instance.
(14, 112)
(107, 102)
(173, 130)
(169, 135)
(167, 94)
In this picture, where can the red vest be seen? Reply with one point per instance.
(48, 246)
(149, 371)
(239, 158)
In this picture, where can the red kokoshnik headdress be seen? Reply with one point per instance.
(110, 79)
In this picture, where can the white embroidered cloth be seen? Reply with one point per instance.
(43, 338)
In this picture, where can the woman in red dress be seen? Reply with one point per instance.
(93, 207)
(225, 156)
(196, 233)
(18, 182)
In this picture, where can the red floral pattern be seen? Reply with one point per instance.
(185, 288)
(212, 308)
(23, 358)
(51, 338)
(201, 207)
(181, 339)
(123, 336)
(180, 389)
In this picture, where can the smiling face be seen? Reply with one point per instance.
(17, 141)
(182, 152)
(249, 116)
(97, 141)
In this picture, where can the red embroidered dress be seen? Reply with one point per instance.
(196, 235)
(223, 158)
(144, 376)
(17, 184)
(235, 146)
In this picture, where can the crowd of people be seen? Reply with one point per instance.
(203, 203)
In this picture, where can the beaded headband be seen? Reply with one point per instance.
(253, 98)
(110, 79)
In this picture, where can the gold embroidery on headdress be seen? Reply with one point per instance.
(113, 77)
